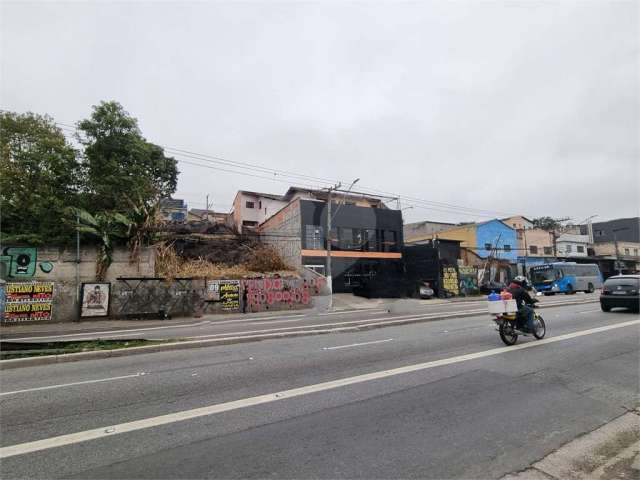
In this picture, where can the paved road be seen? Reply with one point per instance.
(214, 326)
(443, 399)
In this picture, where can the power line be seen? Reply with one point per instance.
(413, 201)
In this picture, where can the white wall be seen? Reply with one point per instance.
(573, 241)
(263, 209)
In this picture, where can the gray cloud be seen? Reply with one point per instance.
(524, 107)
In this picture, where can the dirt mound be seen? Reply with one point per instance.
(217, 256)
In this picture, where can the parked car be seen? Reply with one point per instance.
(488, 287)
(426, 291)
(621, 291)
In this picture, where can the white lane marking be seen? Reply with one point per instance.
(104, 332)
(278, 321)
(371, 321)
(591, 311)
(97, 433)
(123, 333)
(358, 344)
(362, 310)
(253, 319)
(62, 385)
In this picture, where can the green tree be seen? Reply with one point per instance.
(106, 228)
(39, 179)
(548, 223)
(120, 163)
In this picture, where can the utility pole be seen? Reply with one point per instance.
(615, 244)
(78, 299)
(526, 251)
(330, 217)
(207, 208)
(328, 240)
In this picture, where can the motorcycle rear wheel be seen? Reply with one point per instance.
(507, 334)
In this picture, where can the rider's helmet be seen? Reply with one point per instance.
(520, 280)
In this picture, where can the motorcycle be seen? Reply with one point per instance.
(510, 330)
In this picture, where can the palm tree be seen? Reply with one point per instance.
(105, 227)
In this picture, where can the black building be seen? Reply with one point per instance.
(620, 229)
(366, 241)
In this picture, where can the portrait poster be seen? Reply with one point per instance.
(95, 299)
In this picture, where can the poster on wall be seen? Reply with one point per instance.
(230, 294)
(450, 280)
(28, 302)
(213, 290)
(95, 299)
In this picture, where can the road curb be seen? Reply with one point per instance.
(188, 344)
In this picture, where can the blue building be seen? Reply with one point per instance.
(497, 234)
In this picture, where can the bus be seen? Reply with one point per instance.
(566, 277)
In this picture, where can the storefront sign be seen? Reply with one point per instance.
(28, 302)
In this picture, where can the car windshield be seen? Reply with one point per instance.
(622, 282)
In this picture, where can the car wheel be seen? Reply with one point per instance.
(570, 290)
(590, 288)
(605, 308)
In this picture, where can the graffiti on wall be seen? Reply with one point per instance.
(468, 277)
(450, 280)
(28, 302)
(269, 293)
(22, 262)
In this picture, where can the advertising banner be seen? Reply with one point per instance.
(28, 302)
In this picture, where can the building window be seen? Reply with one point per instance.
(547, 250)
(249, 223)
(635, 252)
(390, 241)
(533, 249)
(314, 237)
(599, 233)
(507, 248)
(250, 205)
(259, 204)
(568, 249)
(487, 246)
(626, 251)
(580, 249)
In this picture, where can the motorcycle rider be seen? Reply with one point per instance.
(518, 289)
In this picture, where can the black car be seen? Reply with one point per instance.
(621, 291)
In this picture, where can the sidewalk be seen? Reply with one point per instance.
(609, 452)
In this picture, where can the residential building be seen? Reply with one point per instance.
(491, 238)
(202, 215)
(421, 232)
(518, 222)
(570, 245)
(250, 209)
(366, 237)
(535, 247)
(172, 210)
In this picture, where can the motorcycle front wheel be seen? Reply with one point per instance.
(507, 334)
(539, 327)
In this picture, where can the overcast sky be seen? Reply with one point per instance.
(528, 107)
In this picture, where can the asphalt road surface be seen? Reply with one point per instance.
(442, 399)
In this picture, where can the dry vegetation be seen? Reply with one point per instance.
(259, 260)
